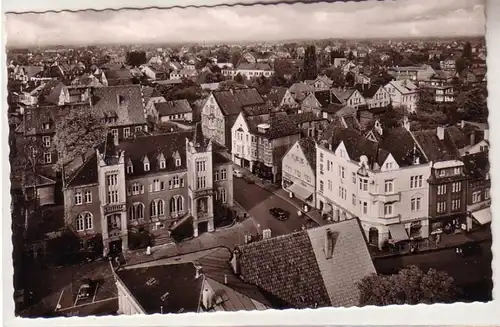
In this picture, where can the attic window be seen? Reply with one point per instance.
(146, 166)
(163, 164)
(46, 126)
(177, 162)
(130, 169)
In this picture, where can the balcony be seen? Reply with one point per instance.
(114, 207)
(387, 197)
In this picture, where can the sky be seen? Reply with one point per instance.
(366, 19)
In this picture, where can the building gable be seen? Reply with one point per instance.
(311, 102)
(211, 107)
(341, 151)
(240, 123)
(389, 163)
(296, 152)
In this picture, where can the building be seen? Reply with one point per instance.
(447, 182)
(449, 64)
(221, 109)
(281, 97)
(299, 171)
(114, 77)
(254, 57)
(415, 74)
(349, 97)
(311, 124)
(173, 110)
(249, 70)
(376, 96)
(27, 73)
(477, 168)
(322, 82)
(261, 141)
(155, 72)
(404, 93)
(312, 268)
(202, 281)
(379, 178)
(149, 183)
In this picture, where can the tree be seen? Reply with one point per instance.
(475, 106)
(262, 84)
(350, 56)
(79, 131)
(136, 58)
(467, 53)
(235, 57)
(461, 64)
(409, 286)
(310, 63)
(223, 55)
(391, 118)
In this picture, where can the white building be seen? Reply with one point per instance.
(403, 93)
(383, 183)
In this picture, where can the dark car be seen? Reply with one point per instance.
(85, 289)
(467, 249)
(279, 213)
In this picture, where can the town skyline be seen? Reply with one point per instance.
(359, 20)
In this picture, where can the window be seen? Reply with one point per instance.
(321, 186)
(388, 165)
(365, 207)
(84, 222)
(363, 184)
(163, 164)
(176, 204)
(321, 169)
(415, 204)
(146, 166)
(354, 178)
(157, 208)
(130, 169)
(354, 199)
(441, 173)
(456, 187)
(441, 189)
(441, 207)
(126, 132)
(223, 195)
(78, 198)
(201, 182)
(47, 157)
(176, 181)
(389, 186)
(112, 196)
(46, 126)
(455, 204)
(135, 188)
(388, 209)
(416, 181)
(457, 171)
(216, 176)
(46, 141)
(223, 174)
(321, 156)
(487, 194)
(177, 162)
(115, 133)
(476, 196)
(341, 172)
(87, 196)
(200, 165)
(342, 193)
(329, 185)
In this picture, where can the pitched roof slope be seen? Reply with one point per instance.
(173, 107)
(232, 102)
(308, 146)
(124, 101)
(435, 149)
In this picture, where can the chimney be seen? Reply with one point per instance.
(440, 132)
(486, 134)
(231, 90)
(225, 279)
(462, 124)
(473, 138)
(329, 243)
(198, 272)
(161, 309)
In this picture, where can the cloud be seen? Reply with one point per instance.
(365, 19)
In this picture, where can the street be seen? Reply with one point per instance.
(473, 274)
(257, 202)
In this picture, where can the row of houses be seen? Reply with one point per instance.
(402, 184)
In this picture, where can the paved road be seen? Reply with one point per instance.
(257, 202)
(472, 274)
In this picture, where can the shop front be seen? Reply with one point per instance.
(481, 217)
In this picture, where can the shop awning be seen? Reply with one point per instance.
(398, 233)
(482, 216)
(299, 191)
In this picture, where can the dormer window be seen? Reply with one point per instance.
(130, 169)
(177, 162)
(163, 164)
(146, 164)
(46, 126)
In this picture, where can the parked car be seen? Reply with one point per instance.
(85, 289)
(237, 173)
(467, 249)
(279, 213)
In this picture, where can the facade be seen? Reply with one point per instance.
(154, 72)
(281, 97)
(221, 109)
(261, 141)
(403, 93)
(413, 73)
(382, 183)
(151, 183)
(477, 168)
(179, 110)
(259, 57)
(249, 70)
(349, 97)
(375, 96)
(299, 171)
(444, 94)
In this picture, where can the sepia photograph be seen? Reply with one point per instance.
(248, 157)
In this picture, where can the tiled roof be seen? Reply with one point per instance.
(325, 98)
(367, 91)
(124, 101)
(173, 107)
(343, 94)
(232, 102)
(436, 149)
(36, 117)
(294, 267)
(118, 74)
(149, 92)
(277, 94)
(86, 174)
(400, 143)
(50, 92)
(254, 66)
(300, 90)
(280, 125)
(404, 86)
(168, 289)
(305, 117)
(308, 146)
(262, 55)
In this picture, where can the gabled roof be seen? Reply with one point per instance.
(435, 149)
(277, 94)
(308, 146)
(404, 86)
(294, 267)
(477, 165)
(232, 102)
(172, 107)
(36, 117)
(280, 125)
(300, 90)
(367, 91)
(124, 101)
(117, 75)
(50, 92)
(254, 66)
(343, 94)
(401, 145)
(305, 117)
(30, 71)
